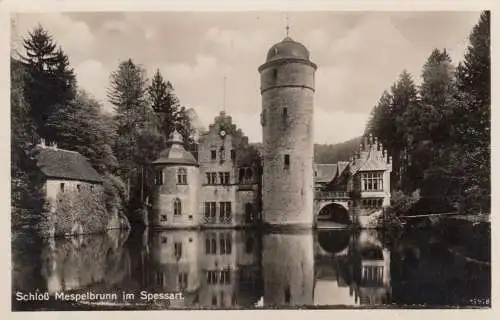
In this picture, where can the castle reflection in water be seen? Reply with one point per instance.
(216, 268)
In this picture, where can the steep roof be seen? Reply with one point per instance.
(65, 164)
(324, 172)
(175, 153)
(342, 165)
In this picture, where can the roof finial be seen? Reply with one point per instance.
(287, 26)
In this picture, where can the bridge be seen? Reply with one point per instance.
(332, 206)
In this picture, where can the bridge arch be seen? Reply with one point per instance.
(334, 212)
(334, 242)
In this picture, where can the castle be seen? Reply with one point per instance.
(234, 183)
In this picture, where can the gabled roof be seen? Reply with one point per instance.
(65, 164)
(373, 165)
(175, 153)
(324, 173)
(341, 166)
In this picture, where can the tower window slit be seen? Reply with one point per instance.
(287, 162)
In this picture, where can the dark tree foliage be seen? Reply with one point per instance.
(333, 153)
(50, 82)
(127, 92)
(474, 130)
(164, 103)
(439, 134)
(25, 183)
(80, 126)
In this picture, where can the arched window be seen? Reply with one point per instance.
(177, 207)
(181, 176)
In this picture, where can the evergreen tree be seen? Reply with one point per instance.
(474, 127)
(50, 81)
(127, 92)
(164, 103)
(27, 198)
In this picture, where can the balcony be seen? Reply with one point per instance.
(331, 195)
(222, 220)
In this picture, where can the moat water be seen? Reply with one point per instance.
(221, 269)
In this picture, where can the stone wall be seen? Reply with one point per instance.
(222, 163)
(287, 122)
(164, 196)
(77, 212)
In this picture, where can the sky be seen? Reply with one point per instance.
(359, 55)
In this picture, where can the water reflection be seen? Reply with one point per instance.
(288, 267)
(247, 269)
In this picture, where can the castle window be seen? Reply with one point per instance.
(287, 162)
(225, 243)
(61, 187)
(274, 75)
(177, 207)
(224, 178)
(211, 178)
(249, 245)
(213, 154)
(78, 187)
(222, 154)
(91, 188)
(225, 212)
(182, 280)
(163, 217)
(210, 209)
(233, 155)
(241, 174)
(284, 114)
(210, 244)
(225, 277)
(159, 177)
(249, 214)
(178, 250)
(287, 294)
(181, 176)
(372, 181)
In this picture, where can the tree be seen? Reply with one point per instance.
(79, 126)
(50, 81)
(473, 131)
(26, 186)
(164, 103)
(127, 92)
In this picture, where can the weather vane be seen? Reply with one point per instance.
(224, 95)
(287, 26)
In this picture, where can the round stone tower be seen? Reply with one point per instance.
(287, 89)
(177, 184)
